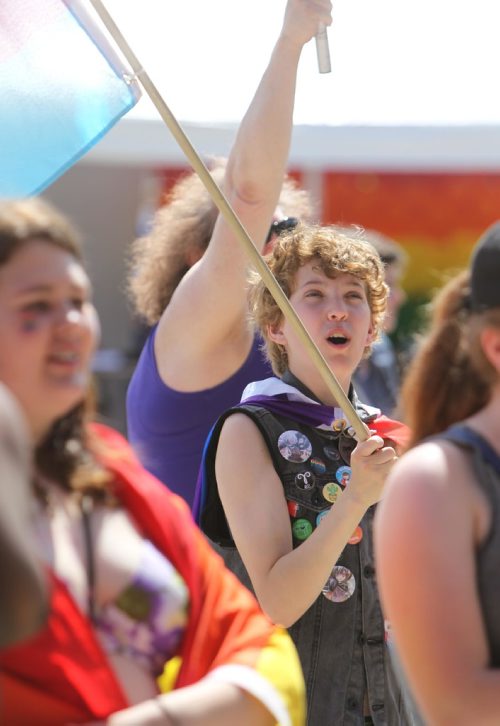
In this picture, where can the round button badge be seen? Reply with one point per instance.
(331, 452)
(294, 446)
(320, 516)
(331, 492)
(317, 465)
(305, 480)
(340, 585)
(343, 475)
(302, 529)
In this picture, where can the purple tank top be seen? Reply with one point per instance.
(168, 428)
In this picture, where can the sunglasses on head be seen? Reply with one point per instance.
(280, 226)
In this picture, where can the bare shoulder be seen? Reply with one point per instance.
(438, 464)
(245, 479)
(239, 431)
(432, 479)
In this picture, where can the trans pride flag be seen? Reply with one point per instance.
(62, 87)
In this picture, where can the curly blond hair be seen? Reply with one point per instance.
(335, 252)
(183, 225)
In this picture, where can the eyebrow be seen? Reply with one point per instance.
(48, 288)
(353, 282)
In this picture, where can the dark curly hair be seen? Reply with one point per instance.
(184, 224)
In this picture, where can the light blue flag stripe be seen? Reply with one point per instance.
(60, 92)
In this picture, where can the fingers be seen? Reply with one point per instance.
(323, 11)
(373, 453)
(369, 446)
(303, 17)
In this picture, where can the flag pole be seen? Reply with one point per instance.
(233, 221)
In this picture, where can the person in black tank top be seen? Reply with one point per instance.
(437, 531)
(289, 499)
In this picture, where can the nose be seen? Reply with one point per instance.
(337, 311)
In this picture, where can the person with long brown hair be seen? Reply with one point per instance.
(134, 585)
(438, 527)
(188, 275)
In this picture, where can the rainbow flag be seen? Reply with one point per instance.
(62, 87)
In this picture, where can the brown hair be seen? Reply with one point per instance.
(184, 224)
(28, 219)
(64, 456)
(449, 378)
(335, 252)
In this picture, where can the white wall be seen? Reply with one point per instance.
(102, 201)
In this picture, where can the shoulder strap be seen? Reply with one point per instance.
(467, 437)
(207, 510)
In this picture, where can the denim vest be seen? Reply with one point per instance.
(340, 638)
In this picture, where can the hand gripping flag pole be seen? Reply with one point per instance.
(233, 221)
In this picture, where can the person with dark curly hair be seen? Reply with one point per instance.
(188, 275)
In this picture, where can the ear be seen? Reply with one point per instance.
(490, 341)
(370, 336)
(276, 334)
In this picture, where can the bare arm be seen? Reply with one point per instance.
(255, 506)
(202, 338)
(205, 703)
(427, 531)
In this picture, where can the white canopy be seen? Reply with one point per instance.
(412, 84)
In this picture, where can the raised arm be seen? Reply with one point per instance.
(202, 337)
(274, 566)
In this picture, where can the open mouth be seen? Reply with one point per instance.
(338, 339)
(64, 363)
(66, 358)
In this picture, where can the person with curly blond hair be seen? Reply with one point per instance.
(188, 275)
(287, 493)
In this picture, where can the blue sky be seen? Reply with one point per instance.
(393, 61)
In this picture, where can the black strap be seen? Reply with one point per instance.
(461, 434)
(86, 509)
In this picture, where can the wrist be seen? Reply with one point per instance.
(288, 44)
(161, 704)
(356, 499)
